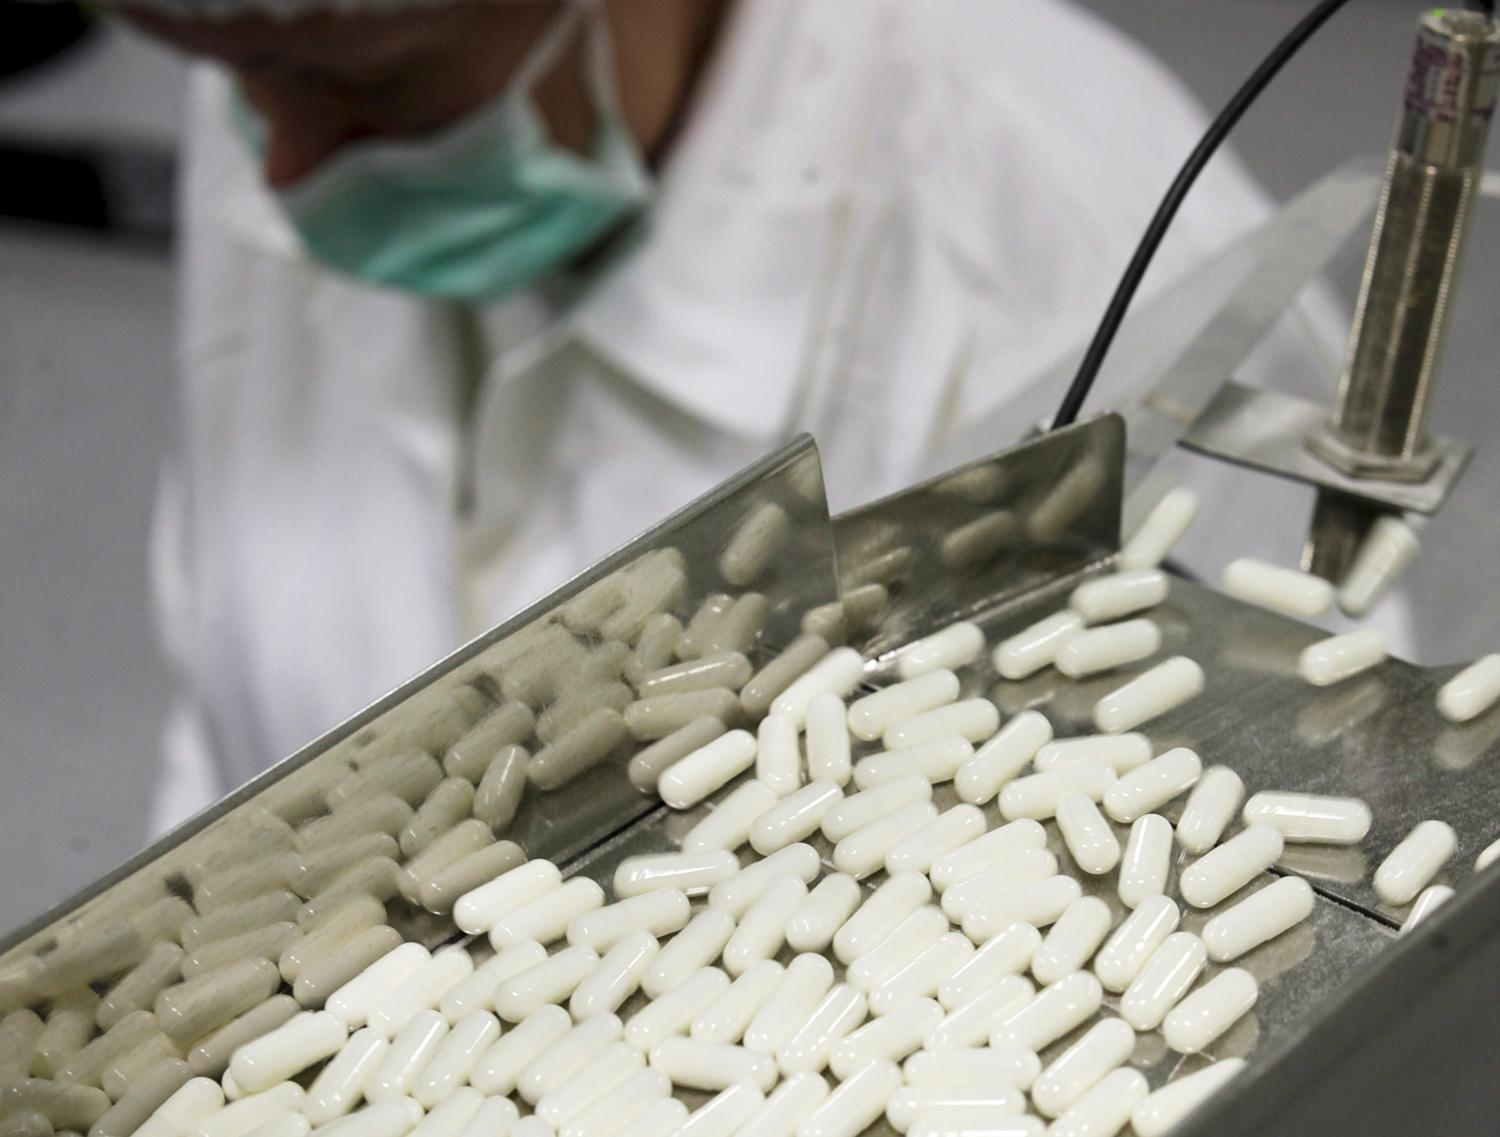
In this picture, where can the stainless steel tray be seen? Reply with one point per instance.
(1001, 541)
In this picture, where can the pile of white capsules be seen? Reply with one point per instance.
(782, 990)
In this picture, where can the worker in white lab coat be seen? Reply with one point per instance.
(877, 219)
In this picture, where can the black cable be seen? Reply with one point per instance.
(1109, 325)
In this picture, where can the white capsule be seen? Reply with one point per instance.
(785, 1109)
(691, 779)
(1163, 527)
(197, 1099)
(870, 716)
(948, 831)
(287, 1050)
(1162, 1111)
(1120, 594)
(423, 990)
(909, 939)
(659, 913)
(664, 1119)
(674, 1011)
(1103, 649)
(1147, 860)
(1091, 842)
(969, 1025)
(855, 1104)
(1487, 856)
(863, 851)
(547, 917)
(500, 1067)
(1413, 863)
(889, 1038)
(620, 1106)
(983, 853)
(1120, 752)
(1310, 818)
(1003, 757)
(973, 720)
(394, 1118)
(1209, 810)
(778, 760)
(1341, 657)
(729, 825)
(1149, 695)
(859, 810)
(249, 1113)
(819, 917)
(477, 991)
(606, 1071)
(1022, 868)
(450, 1116)
(355, 999)
(695, 947)
(1259, 917)
(1231, 866)
(793, 818)
(531, 1126)
(340, 1085)
(810, 1044)
(495, 1117)
(1002, 958)
(1389, 547)
(1193, 1025)
(479, 910)
(409, 1051)
(1004, 1065)
(762, 929)
(1033, 648)
(689, 873)
(949, 1125)
(725, 1114)
(937, 761)
(967, 1108)
(1134, 942)
(1428, 901)
(837, 673)
(955, 646)
(923, 975)
(1472, 691)
(1054, 1011)
(1288, 591)
(804, 983)
(574, 1051)
(880, 915)
(617, 977)
(1163, 981)
(828, 744)
(1149, 787)
(1072, 941)
(1104, 1047)
(726, 1019)
(698, 1065)
(551, 981)
(1105, 1109)
(744, 888)
(1037, 795)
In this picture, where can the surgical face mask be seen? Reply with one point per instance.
(489, 205)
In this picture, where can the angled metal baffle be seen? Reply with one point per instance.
(758, 564)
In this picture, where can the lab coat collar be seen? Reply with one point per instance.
(714, 305)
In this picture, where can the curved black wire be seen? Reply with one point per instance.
(1125, 291)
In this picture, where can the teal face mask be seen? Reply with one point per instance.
(486, 207)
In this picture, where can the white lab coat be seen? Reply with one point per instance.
(882, 218)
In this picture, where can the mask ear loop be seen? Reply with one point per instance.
(544, 56)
